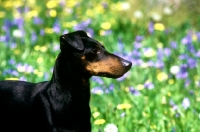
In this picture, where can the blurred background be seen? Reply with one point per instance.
(161, 38)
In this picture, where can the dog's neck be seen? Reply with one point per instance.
(67, 72)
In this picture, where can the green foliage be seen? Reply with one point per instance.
(161, 91)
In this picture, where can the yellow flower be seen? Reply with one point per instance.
(164, 100)
(53, 13)
(89, 13)
(51, 4)
(40, 60)
(149, 52)
(43, 49)
(2, 14)
(12, 78)
(48, 30)
(159, 26)
(16, 51)
(140, 87)
(8, 3)
(95, 114)
(99, 121)
(171, 81)
(71, 3)
(162, 76)
(123, 106)
(36, 48)
(32, 13)
(194, 37)
(106, 25)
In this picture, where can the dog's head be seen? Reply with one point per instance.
(93, 56)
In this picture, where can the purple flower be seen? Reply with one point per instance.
(123, 77)
(12, 62)
(187, 82)
(42, 32)
(167, 51)
(192, 63)
(197, 54)
(183, 57)
(149, 85)
(90, 32)
(22, 79)
(120, 45)
(159, 64)
(19, 22)
(137, 45)
(151, 27)
(33, 37)
(186, 103)
(111, 87)
(13, 45)
(56, 27)
(2, 38)
(187, 40)
(134, 91)
(83, 25)
(183, 72)
(97, 80)
(198, 35)
(37, 20)
(97, 90)
(139, 38)
(173, 45)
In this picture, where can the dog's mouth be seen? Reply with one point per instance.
(114, 75)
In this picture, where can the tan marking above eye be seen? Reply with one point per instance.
(83, 57)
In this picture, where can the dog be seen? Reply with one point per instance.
(61, 104)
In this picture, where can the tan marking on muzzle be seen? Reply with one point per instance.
(110, 66)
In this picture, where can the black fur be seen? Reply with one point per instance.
(61, 104)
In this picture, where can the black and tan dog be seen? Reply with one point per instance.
(61, 104)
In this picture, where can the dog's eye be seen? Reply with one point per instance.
(95, 51)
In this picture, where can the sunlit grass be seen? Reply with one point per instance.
(159, 93)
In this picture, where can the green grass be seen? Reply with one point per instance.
(153, 98)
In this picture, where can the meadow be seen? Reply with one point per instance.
(161, 92)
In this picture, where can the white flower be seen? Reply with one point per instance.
(167, 10)
(125, 6)
(138, 14)
(110, 128)
(17, 33)
(156, 16)
(175, 70)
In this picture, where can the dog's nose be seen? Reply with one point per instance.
(126, 63)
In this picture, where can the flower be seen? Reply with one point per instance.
(149, 52)
(123, 106)
(17, 33)
(148, 85)
(95, 114)
(97, 90)
(159, 26)
(106, 25)
(151, 27)
(186, 103)
(175, 69)
(110, 128)
(162, 76)
(134, 91)
(99, 121)
(138, 14)
(167, 11)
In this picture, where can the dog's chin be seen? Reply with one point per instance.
(109, 75)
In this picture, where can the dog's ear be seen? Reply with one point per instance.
(73, 39)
